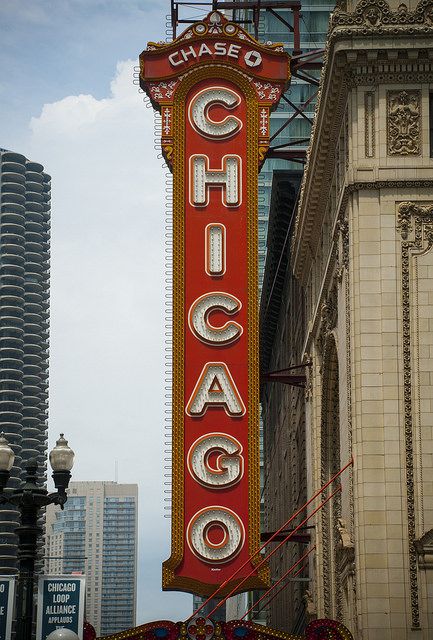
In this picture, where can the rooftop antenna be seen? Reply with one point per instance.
(116, 470)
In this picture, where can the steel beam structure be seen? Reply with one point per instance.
(302, 63)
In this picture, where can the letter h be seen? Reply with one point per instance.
(228, 178)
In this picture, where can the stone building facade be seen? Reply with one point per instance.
(361, 255)
(283, 406)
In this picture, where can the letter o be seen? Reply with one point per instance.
(233, 534)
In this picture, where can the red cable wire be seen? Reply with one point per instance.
(300, 571)
(279, 590)
(292, 533)
(223, 584)
(307, 553)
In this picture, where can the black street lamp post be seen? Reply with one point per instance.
(29, 498)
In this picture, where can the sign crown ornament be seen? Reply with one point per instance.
(214, 41)
(215, 86)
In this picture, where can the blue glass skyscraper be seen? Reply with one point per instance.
(313, 25)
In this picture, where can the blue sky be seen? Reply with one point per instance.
(67, 100)
(54, 48)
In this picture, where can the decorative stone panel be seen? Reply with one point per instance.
(369, 124)
(403, 123)
(415, 225)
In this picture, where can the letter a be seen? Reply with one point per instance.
(215, 388)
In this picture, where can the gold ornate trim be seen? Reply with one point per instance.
(215, 30)
(227, 631)
(170, 580)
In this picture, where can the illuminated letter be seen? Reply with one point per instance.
(171, 58)
(233, 51)
(228, 178)
(215, 249)
(199, 113)
(215, 388)
(215, 534)
(220, 48)
(189, 52)
(224, 469)
(198, 318)
(204, 49)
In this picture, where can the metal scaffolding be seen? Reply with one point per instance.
(302, 64)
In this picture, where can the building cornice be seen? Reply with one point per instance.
(367, 46)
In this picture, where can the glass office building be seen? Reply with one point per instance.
(96, 535)
(313, 24)
(314, 18)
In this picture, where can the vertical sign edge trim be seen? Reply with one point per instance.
(170, 580)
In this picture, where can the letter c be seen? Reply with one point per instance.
(199, 118)
(171, 59)
(198, 318)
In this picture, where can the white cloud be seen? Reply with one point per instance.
(107, 304)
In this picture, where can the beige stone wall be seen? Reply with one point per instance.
(391, 406)
(362, 250)
(390, 455)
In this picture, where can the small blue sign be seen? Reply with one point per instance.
(7, 585)
(60, 605)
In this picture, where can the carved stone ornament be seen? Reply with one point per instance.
(403, 123)
(416, 220)
(345, 540)
(343, 259)
(328, 317)
(308, 360)
(429, 15)
(345, 553)
(310, 607)
(345, 25)
(424, 547)
(345, 557)
(377, 13)
(415, 225)
(372, 15)
(369, 124)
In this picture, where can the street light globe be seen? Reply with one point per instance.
(63, 634)
(7, 455)
(62, 456)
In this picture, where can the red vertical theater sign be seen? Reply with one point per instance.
(215, 87)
